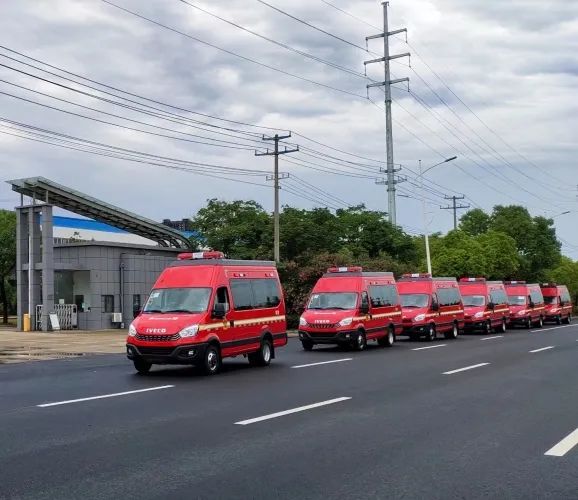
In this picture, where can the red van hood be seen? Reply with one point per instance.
(327, 317)
(159, 324)
(412, 312)
(472, 310)
(516, 309)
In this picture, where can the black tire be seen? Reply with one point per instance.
(142, 366)
(568, 319)
(431, 333)
(528, 323)
(307, 345)
(263, 356)
(453, 334)
(212, 360)
(488, 327)
(388, 340)
(559, 319)
(540, 323)
(503, 328)
(359, 342)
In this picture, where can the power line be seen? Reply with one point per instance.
(350, 15)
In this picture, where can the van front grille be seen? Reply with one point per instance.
(157, 338)
(156, 351)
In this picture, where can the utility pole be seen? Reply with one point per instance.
(387, 83)
(275, 178)
(455, 207)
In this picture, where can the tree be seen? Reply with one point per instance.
(566, 273)
(458, 254)
(7, 256)
(475, 222)
(240, 229)
(501, 255)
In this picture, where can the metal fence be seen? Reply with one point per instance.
(67, 316)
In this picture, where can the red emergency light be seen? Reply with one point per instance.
(549, 285)
(200, 255)
(354, 269)
(514, 282)
(473, 280)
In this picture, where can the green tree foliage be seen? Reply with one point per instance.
(7, 257)
(566, 272)
(475, 222)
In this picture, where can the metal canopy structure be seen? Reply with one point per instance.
(44, 190)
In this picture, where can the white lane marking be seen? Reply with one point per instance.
(46, 405)
(465, 368)
(554, 328)
(294, 410)
(429, 347)
(542, 349)
(323, 363)
(492, 337)
(564, 446)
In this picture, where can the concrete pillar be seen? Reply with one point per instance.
(47, 265)
(21, 260)
(34, 256)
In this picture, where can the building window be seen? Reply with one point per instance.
(79, 301)
(108, 303)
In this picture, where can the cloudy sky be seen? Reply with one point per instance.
(513, 64)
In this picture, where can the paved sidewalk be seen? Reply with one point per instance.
(17, 347)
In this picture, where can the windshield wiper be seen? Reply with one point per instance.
(152, 311)
(180, 311)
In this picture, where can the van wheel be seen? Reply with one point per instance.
(559, 319)
(541, 322)
(528, 324)
(388, 340)
(263, 356)
(503, 326)
(431, 333)
(453, 334)
(142, 366)
(307, 345)
(212, 360)
(360, 341)
(568, 319)
(488, 328)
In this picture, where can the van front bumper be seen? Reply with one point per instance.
(190, 354)
(325, 337)
(414, 329)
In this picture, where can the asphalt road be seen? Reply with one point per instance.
(385, 423)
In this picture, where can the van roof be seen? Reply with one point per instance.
(223, 262)
(409, 279)
(360, 274)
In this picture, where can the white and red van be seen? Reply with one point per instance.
(526, 301)
(485, 305)
(558, 303)
(204, 308)
(349, 307)
(430, 306)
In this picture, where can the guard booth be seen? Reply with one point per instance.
(90, 285)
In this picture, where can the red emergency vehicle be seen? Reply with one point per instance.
(526, 304)
(204, 308)
(430, 306)
(349, 307)
(485, 305)
(558, 303)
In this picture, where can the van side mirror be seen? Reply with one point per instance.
(491, 306)
(435, 306)
(219, 310)
(532, 305)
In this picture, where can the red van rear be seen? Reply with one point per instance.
(430, 306)
(350, 307)
(526, 304)
(485, 305)
(558, 303)
(204, 308)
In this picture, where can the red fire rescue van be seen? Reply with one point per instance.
(350, 307)
(485, 305)
(526, 304)
(204, 308)
(430, 306)
(558, 303)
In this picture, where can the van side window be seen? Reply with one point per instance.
(565, 296)
(222, 297)
(448, 296)
(536, 296)
(498, 297)
(266, 293)
(383, 295)
(242, 294)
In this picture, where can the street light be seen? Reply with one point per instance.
(563, 213)
(425, 230)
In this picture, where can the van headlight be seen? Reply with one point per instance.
(521, 313)
(419, 317)
(131, 331)
(189, 331)
(302, 321)
(479, 315)
(345, 322)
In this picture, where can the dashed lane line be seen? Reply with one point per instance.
(479, 365)
(493, 337)
(293, 410)
(104, 396)
(429, 347)
(323, 363)
(542, 349)
(564, 446)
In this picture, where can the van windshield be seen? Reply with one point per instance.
(550, 300)
(340, 300)
(178, 300)
(474, 300)
(517, 300)
(414, 300)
